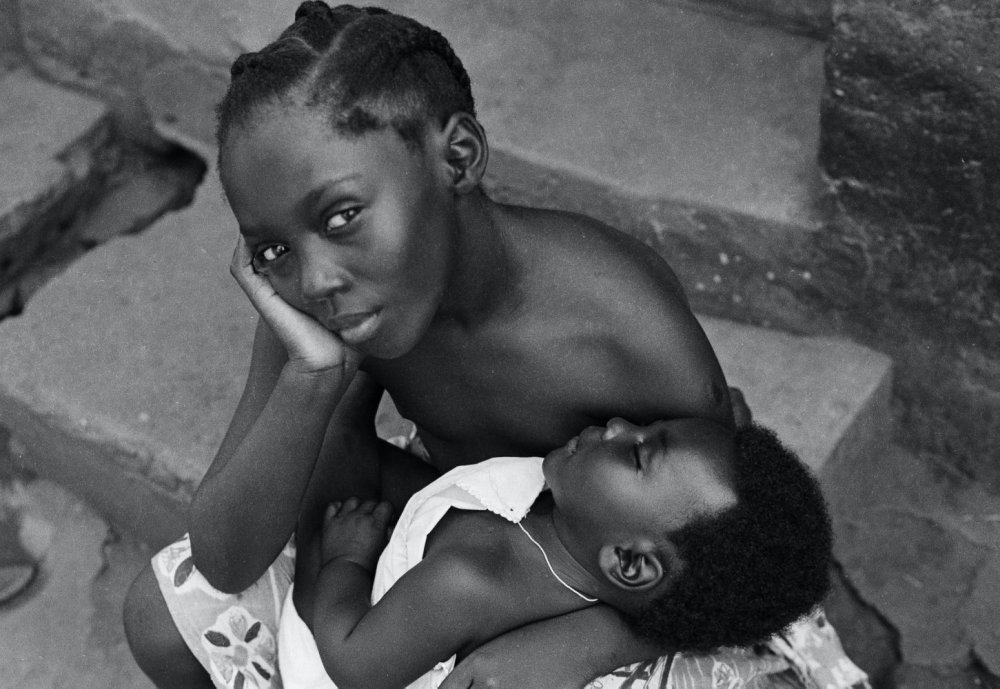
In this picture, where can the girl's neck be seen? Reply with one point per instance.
(483, 279)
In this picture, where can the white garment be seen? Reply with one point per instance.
(506, 486)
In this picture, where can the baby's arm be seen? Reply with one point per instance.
(423, 619)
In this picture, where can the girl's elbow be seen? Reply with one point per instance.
(350, 670)
(212, 561)
(342, 674)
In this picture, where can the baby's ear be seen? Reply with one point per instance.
(638, 566)
(467, 152)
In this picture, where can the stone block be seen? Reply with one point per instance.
(825, 397)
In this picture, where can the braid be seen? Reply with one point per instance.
(370, 67)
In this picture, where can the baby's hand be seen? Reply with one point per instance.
(356, 531)
(311, 348)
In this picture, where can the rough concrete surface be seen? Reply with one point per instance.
(923, 549)
(65, 630)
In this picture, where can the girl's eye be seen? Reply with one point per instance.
(340, 219)
(268, 254)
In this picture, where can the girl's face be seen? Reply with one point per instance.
(357, 232)
(624, 481)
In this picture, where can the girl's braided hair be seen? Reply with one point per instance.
(368, 67)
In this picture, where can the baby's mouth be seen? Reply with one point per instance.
(572, 445)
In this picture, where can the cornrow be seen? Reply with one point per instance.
(369, 67)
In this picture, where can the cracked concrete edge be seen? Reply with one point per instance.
(80, 172)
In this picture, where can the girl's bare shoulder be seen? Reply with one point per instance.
(575, 260)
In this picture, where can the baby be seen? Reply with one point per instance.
(700, 537)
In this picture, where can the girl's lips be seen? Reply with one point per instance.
(355, 328)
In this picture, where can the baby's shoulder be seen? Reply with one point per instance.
(470, 550)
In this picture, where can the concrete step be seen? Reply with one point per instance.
(120, 377)
(695, 132)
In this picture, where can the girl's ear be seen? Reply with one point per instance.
(466, 152)
(638, 566)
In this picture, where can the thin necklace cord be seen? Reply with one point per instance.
(551, 569)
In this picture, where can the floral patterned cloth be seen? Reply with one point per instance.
(808, 655)
(232, 635)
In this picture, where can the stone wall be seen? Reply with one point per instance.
(911, 143)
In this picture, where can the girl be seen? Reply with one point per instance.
(351, 155)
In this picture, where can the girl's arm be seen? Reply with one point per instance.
(246, 507)
(565, 652)
(428, 615)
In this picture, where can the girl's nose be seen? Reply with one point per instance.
(319, 278)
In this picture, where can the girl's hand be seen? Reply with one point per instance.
(311, 348)
(356, 531)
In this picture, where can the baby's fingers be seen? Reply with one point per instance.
(332, 510)
(382, 515)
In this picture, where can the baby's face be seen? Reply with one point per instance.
(624, 480)
(356, 232)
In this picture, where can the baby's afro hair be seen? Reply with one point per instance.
(753, 569)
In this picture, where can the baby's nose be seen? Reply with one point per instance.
(616, 427)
